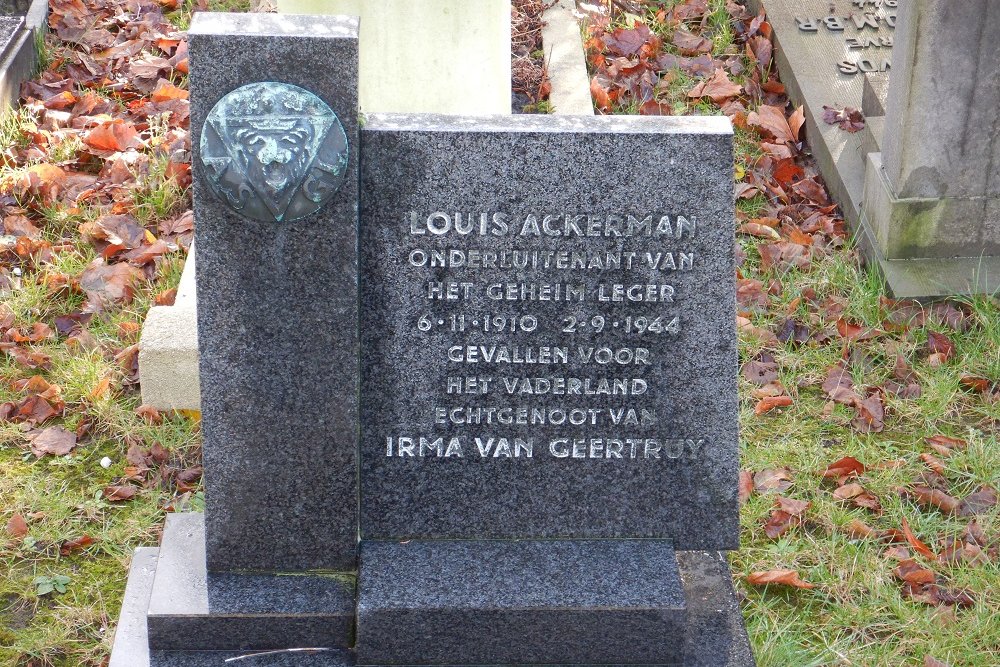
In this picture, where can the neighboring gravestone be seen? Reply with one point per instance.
(428, 56)
(915, 184)
(825, 50)
(933, 192)
(546, 353)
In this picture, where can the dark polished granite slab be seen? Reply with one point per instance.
(277, 314)
(548, 353)
(715, 635)
(466, 602)
(190, 608)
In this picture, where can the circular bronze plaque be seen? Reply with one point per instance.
(273, 151)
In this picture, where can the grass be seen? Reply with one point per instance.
(856, 615)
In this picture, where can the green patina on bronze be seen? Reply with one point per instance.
(273, 151)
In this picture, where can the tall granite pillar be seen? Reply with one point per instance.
(276, 238)
(932, 196)
(274, 121)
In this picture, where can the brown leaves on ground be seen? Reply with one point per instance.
(42, 402)
(941, 348)
(772, 479)
(108, 285)
(936, 498)
(54, 440)
(718, 88)
(921, 584)
(778, 577)
(108, 122)
(789, 513)
(120, 492)
(843, 469)
(17, 527)
(529, 80)
(931, 661)
(76, 544)
(849, 119)
(771, 121)
(869, 409)
(639, 65)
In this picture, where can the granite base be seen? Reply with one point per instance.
(467, 602)
(570, 602)
(714, 635)
(192, 609)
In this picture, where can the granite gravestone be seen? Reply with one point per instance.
(540, 314)
(275, 198)
(276, 204)
(565, 342)
(553, 298)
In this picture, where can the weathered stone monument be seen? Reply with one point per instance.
(919, 184)
(468, 384)
(428, 56)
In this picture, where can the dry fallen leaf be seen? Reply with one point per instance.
(772, 121)
(17, 527)
(69, 546)
(769, 403)
(858, 529)
(773, 479)
(844, 468)
(118, 493)
(917, 545)
(981, 501)
(54, 440)
(745, 485)
(935, 498)
(782, 577)
(718, 87)
(912, 572)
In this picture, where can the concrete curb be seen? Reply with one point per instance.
(566, 61)
(168, 349)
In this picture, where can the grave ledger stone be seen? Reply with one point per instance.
(915, 183)
(492, 360)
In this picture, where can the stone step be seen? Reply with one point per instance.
(486, 602)
(191, 609)
(871, 136)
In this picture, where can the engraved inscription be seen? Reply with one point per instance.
(273, 151)
(866, 28)
(588, 347)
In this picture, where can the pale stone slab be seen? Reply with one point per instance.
(168, 349)
(565, 60)
(430, 56)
